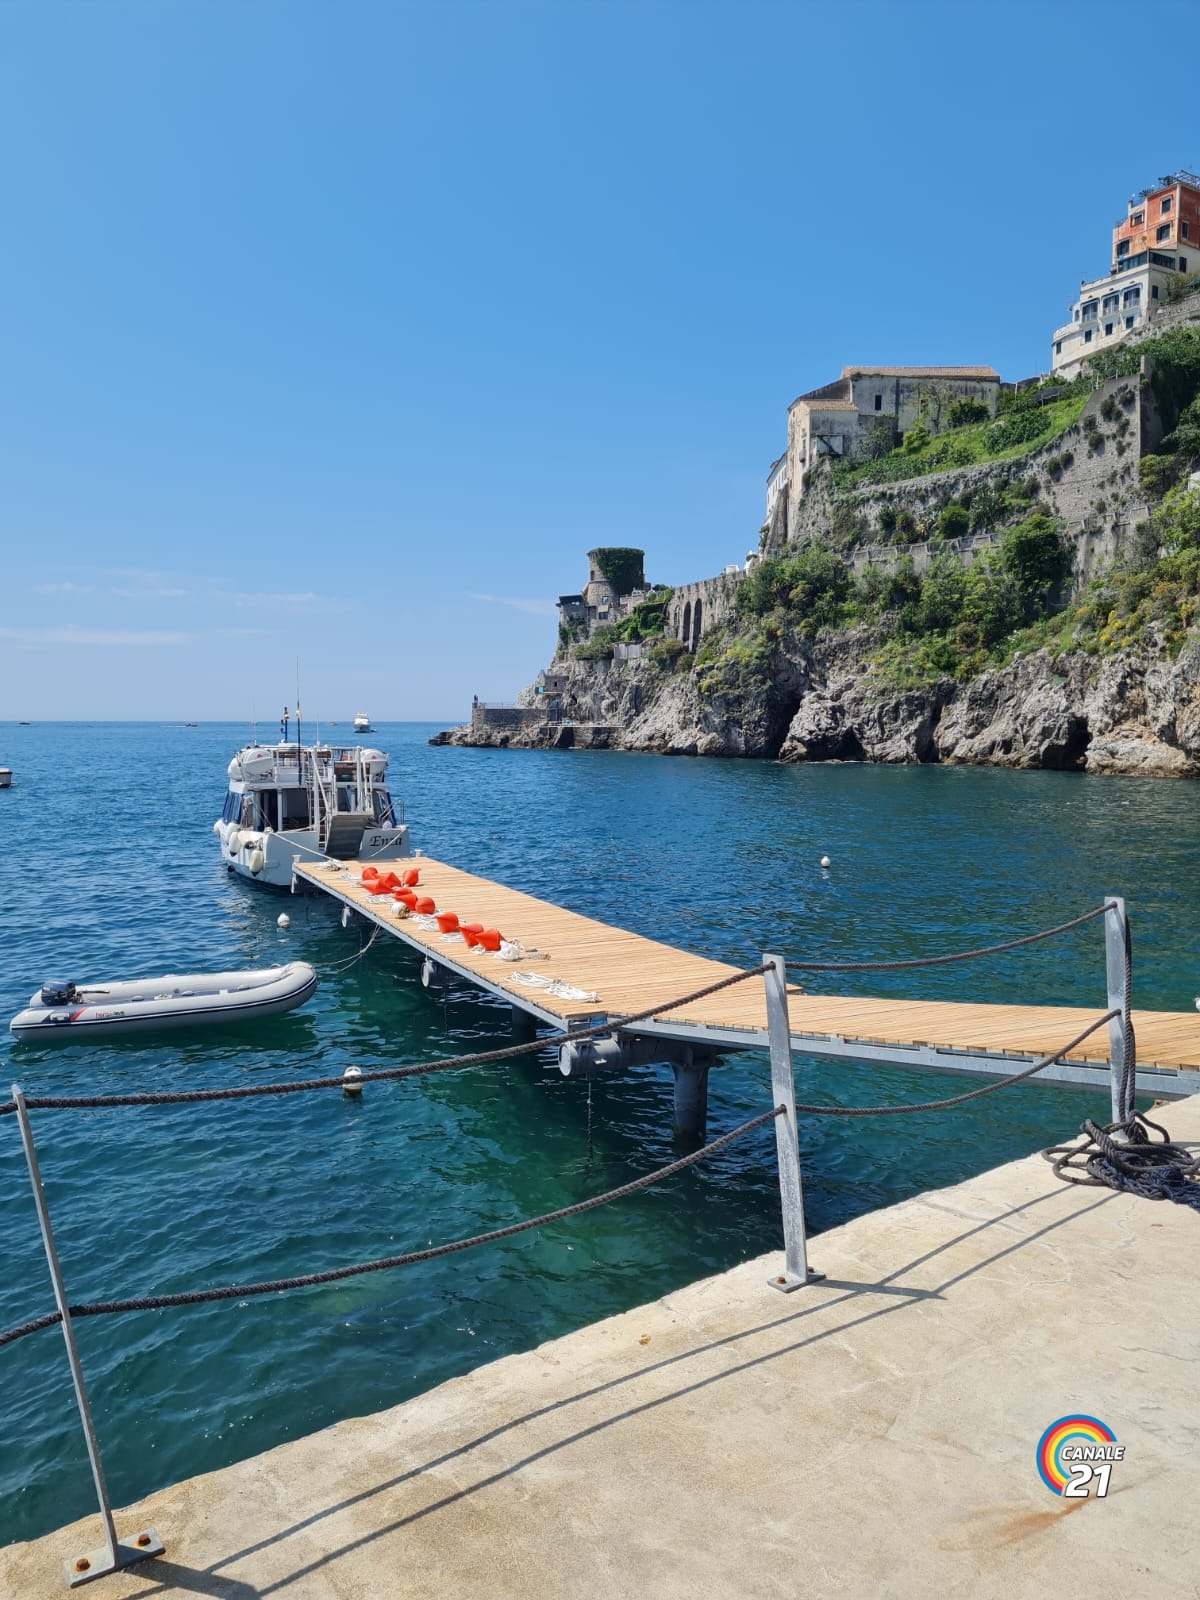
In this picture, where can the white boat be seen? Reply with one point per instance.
(5, 777)
(289, 802)
(362, 723)
(60, 1012)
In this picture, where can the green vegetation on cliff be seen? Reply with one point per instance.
(1028, 420)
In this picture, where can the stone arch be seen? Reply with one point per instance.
(687, 622)
(697, 622)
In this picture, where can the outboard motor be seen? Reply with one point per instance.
(58, 994)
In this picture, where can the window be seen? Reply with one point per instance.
(1138, 218)
(1162, 233)
(1154, 291)
(1157, 259)
(1111, 302)
(1058, 347)
(1183, 263)
(1164, 206)
(1087, 337)
(1091, 311)
(1108, 328)
(1122, 247)
(1129, 322)
(879, 402)
(1132, 296)
(1183, 231)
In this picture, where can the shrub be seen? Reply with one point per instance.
(961, 413)
(953, 521)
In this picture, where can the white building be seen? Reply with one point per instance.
(1155, 246)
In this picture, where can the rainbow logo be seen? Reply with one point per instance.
(1075, 1429)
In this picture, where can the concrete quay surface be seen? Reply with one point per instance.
(871, 1435)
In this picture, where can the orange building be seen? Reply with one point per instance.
(1160, 222)
(1155, 246)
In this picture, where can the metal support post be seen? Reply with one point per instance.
(1114, 958)
(114, 1556)
(797, 1271)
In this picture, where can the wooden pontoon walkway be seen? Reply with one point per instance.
(629, 973)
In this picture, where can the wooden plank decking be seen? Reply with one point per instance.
(630, 973)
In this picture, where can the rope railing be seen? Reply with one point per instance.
(245, 1291)
(938, 961)
(176, 1097)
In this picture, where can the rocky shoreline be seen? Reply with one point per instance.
(1135, 712)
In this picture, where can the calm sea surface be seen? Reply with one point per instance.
(109, 868)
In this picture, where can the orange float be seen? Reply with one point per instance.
(412, 877)
(447, 921)
(425, 906)
(490, 939)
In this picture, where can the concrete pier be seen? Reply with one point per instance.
(872, 1435)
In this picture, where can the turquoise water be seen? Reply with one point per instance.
(110, 869)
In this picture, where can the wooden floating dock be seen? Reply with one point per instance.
(628, 973)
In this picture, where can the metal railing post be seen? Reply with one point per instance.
(115, 1555)
(1114, 960)
(797, 1271)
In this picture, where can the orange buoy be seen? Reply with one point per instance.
(370, 872)
(412, 877)
(490, 939)
(425, 906)
(408, 897)
(471, 935)
(447, 921)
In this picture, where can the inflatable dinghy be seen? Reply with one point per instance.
(60, 1012)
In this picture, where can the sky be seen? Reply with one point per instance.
(335, 332)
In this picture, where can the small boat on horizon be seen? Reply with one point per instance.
(362, 723)
(60, 1012)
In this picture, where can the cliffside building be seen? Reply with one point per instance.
(1155, 244)
(872, 408)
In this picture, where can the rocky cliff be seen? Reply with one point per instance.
(1133, 712)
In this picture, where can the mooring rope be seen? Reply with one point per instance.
(1154, 1168)
(250, 1091)
(245, 1291)
(959, 1099)
(938, 961)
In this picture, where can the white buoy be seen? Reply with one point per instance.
(352, 1080)
(825, 862)
(283, 920)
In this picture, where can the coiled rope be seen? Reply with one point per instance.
(245, 1291)
(1153, 1168)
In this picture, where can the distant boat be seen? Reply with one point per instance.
(23, 724)
(191, 724)
(5, 777)
(362, 723)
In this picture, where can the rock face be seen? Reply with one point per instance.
(1132, 713)
(1136, 712)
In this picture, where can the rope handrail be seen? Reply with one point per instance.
(937, 961)
(308, 1280)
(376, 1074)
(959, 1099)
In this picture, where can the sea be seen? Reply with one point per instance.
(109, 869)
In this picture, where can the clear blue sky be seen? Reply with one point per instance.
(342, 330)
